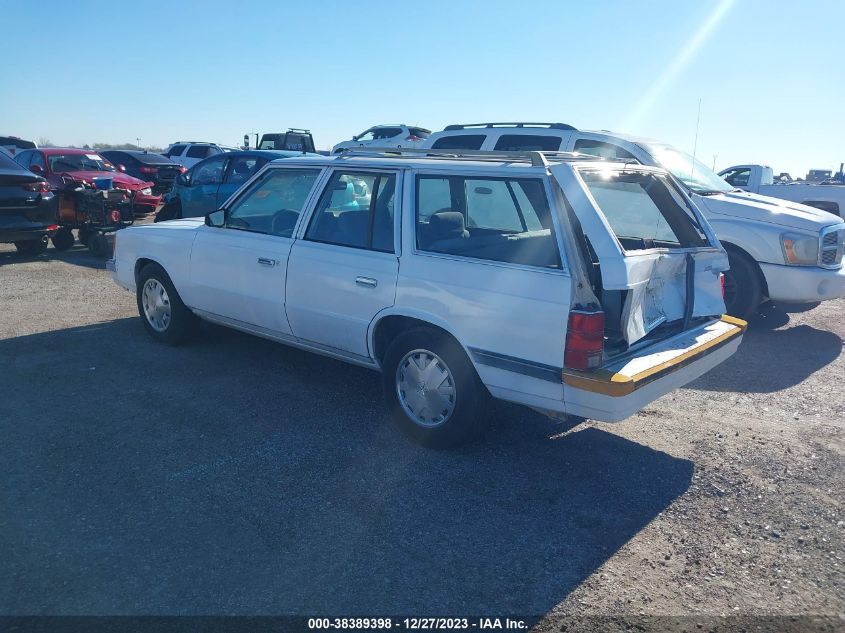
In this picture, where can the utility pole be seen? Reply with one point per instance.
(714, 161)
(138, 142)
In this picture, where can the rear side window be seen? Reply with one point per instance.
(527, 142)
(419, 132)
(176, 150)
(200, 151)
(460, 141)
(644, 210)
(356, 209)
(499, 219)
(382, 133)
(602, 149)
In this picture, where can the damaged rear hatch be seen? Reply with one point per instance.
(653, 269)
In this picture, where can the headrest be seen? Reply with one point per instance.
(447, 224)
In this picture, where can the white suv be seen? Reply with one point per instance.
(778, 250)
(520, 276)
(189, 153)
(395, 135)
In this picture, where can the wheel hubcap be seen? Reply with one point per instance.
(426, 388)
(156, 305)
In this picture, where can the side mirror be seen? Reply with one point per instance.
(36, 169)
(121, 168)
(216, 218)
(355, 138)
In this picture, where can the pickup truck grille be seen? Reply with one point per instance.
(832, 246)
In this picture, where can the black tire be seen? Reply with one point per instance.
(63, 239)
(468, 418)
(32, 247)
(743, 288)
(98, 244)
(84, 235)
(170, 211)
(182, 322)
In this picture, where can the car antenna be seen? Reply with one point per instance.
(695, 142)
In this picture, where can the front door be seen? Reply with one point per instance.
(345, 269)
(200, 197)
(238, 271)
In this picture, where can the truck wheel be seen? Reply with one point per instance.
(433, 393)
(743, 290)
(164, 315)
(32, 247)
(63, 239)
(98, 244)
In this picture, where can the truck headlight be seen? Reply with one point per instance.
(800, 249)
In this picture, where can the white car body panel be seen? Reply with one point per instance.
(510, 319)
(760, 180)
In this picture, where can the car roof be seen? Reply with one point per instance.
(67, 150)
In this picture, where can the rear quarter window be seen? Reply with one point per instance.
(460, 141)
(527, 142)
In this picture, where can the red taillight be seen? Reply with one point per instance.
(722, 282)
(148, 170)
(182, 169)
(584, 340)
(53, 227)
(41, 186)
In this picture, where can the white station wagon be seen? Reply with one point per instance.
(577, 287)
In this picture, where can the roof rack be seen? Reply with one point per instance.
(551, 126)
(536, 158)
(301, 130)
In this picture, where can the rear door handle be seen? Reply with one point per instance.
(369, 282)
(266, 261)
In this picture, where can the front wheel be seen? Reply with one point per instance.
(743, 290)
(433, 393)
(165, 317)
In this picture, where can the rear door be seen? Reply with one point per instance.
(344, 270)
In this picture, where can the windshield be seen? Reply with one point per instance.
(693, 173)
(78, 162)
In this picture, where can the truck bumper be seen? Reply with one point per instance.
(803, 284)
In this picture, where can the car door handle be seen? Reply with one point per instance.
(266, 261)
(366, 281)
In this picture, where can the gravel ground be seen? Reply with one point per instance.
(237, 476)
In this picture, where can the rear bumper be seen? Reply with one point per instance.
(803, 284)
(623, 388)
(25, 234)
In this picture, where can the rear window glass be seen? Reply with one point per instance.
(151, 159)
(644, 210)
(176, 150)
(16, 142)
(527, 142)
(500, 219)
(460, 141)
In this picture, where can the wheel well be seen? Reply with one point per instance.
(139, 266)
(388, 328)
(764, 287)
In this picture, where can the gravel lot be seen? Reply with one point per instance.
(237, 476)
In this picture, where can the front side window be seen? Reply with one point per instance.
(272, 203)
(356, 209)
(527, 142)
(644, 210)
(38, 159)
(499, 219)
(365, 136)
(382, 133)
(602, 149)
(209, 173)
(460, 141)
(738, 177)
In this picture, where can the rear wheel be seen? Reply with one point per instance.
(32, 247)
(432, 390)
(84, 235)
(165, 317)
(63, 239)
(743, 289)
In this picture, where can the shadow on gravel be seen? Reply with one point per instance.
(78, 255)
(772, 359)
(234, 475)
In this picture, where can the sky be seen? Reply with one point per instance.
(767, 76)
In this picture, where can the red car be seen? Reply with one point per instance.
(62, 167)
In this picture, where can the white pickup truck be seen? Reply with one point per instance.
(760, 179)
(571, 285)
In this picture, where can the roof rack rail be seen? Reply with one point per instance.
(551, 126)
(536, 158)
(301, 130)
